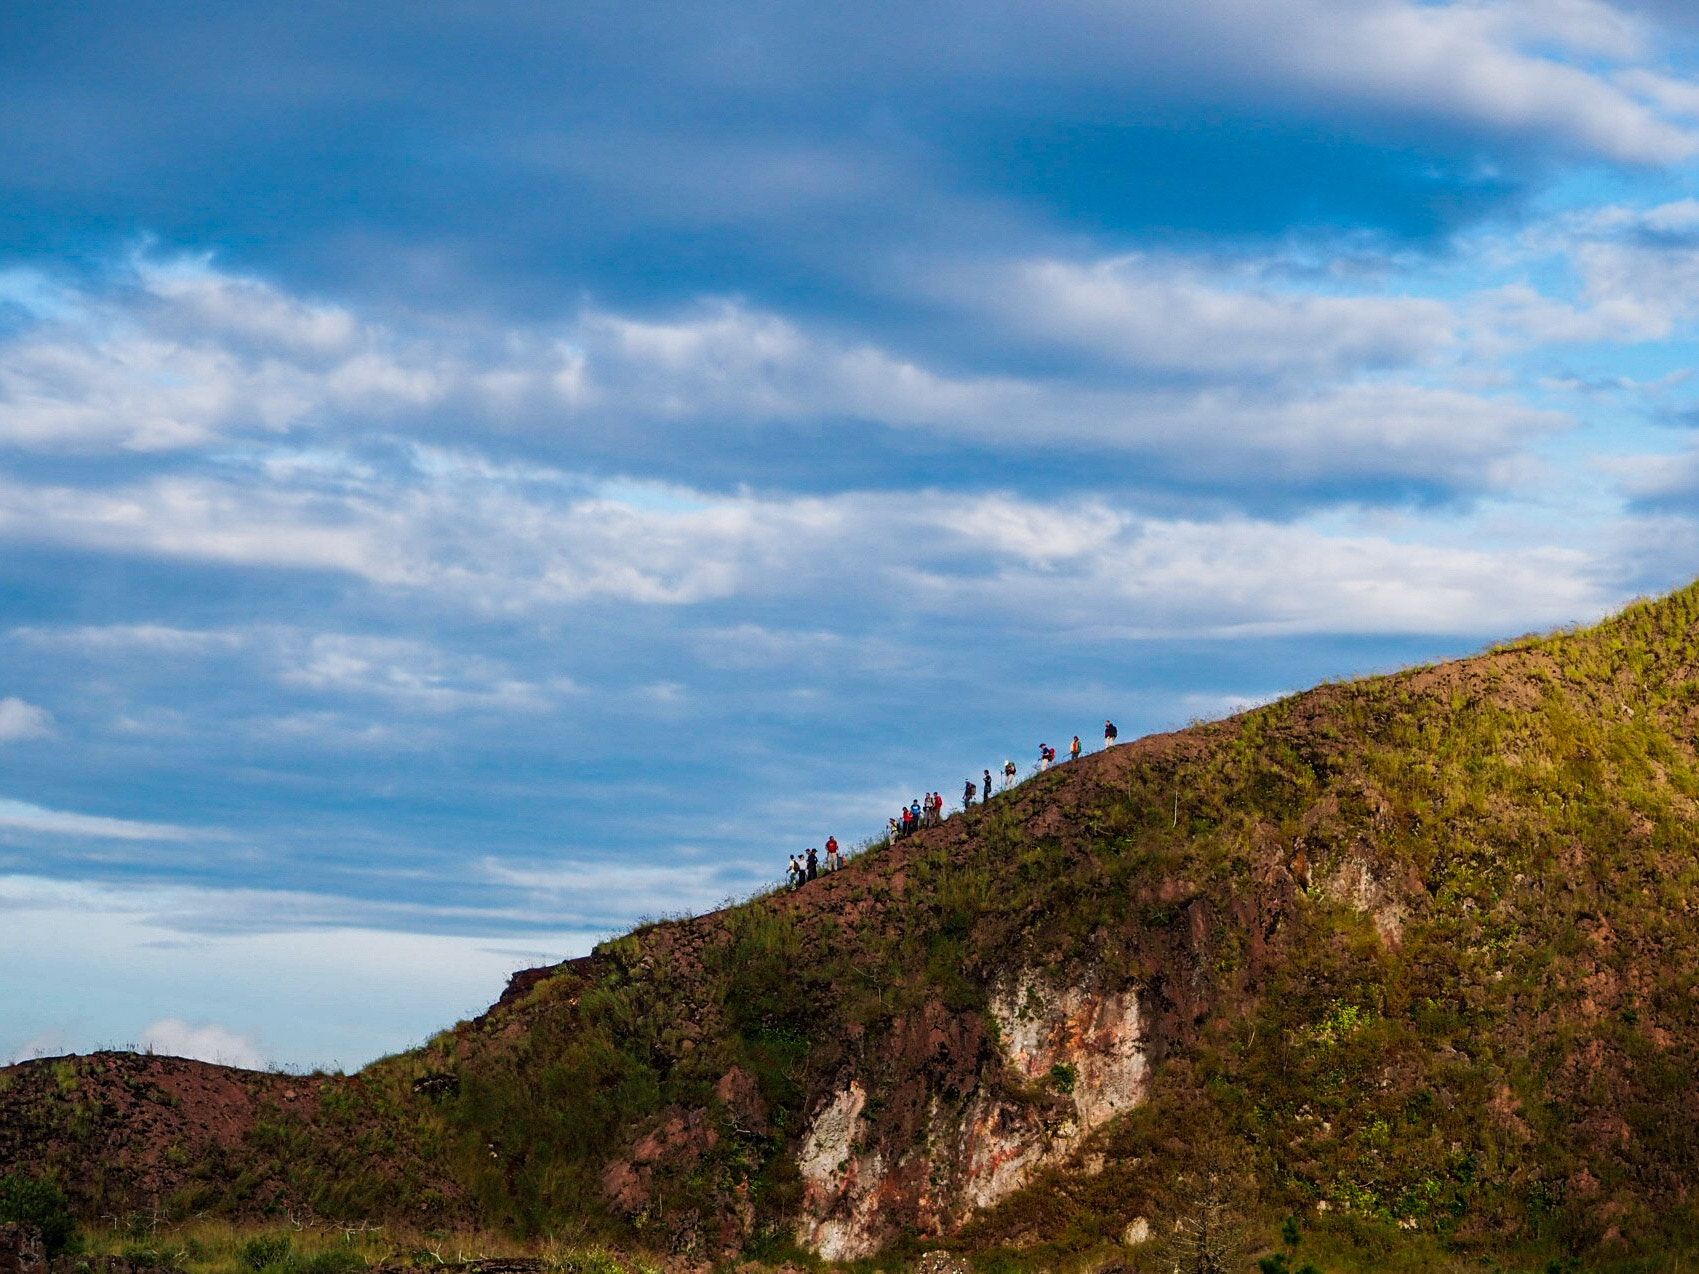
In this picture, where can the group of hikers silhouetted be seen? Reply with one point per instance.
(928, 810)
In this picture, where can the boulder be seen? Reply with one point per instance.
(21, 1249)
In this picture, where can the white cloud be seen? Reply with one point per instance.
(124, 639)
(207, 1042)
(1213, 374)
(20, 720)
(734, 364)
(1499, 66)
(55, 1041)
(680, 887)
(462, 544)
(1169, 316)
(407, 672)
(1244, 578)
(190, 355)
(33, 818)
(1635, 279)
(294, 979)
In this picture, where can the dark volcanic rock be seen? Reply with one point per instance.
(21, 1250)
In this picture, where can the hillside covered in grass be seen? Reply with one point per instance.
(1404, 969)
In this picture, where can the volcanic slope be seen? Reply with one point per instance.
(1413, 959)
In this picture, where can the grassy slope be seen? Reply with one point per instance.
(1500, 1060)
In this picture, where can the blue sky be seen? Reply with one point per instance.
(472, 476)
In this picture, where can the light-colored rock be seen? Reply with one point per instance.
(1137, 1231)
(974, 1155)
(839, 1183)
(1354, 882)
(1044, 1025)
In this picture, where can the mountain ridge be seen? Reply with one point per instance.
(1410, 958)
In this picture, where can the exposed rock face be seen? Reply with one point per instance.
(1045, 1025)
(1356, 882)
(1070, 1059)
(842, 1183)
(21, 1250)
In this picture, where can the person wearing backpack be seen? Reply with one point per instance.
(968, 793)
(1109, 734)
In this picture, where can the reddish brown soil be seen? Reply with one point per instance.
(140, 1121)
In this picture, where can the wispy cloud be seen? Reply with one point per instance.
(20, 720)
(205, 1041)
(22, 816)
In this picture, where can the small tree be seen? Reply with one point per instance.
(1208, 1236)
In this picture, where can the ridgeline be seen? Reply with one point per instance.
(1395, 973)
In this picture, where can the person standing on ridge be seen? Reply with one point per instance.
(1074, 749)
(968, 793)
(834, 860)
(1043, 756)
(1109, 735)
(1008, 775)
(793, 877)
(813, 863)
(987, 797)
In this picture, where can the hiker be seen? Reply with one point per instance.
(968, 794)
(937, 808)
(894, 831)
(1008, 775)
(834, 860)
(987, 787)
(914, 808)
(793, 877)
(1109, 734)
(1043, 757)
(1074, 749)
(813, 863)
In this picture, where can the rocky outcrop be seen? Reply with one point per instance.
(1069, 1060)
(21, 1250)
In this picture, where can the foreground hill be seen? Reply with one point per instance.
(1413, 959)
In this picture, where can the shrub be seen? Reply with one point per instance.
(43, 1205)
(267, 1249)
